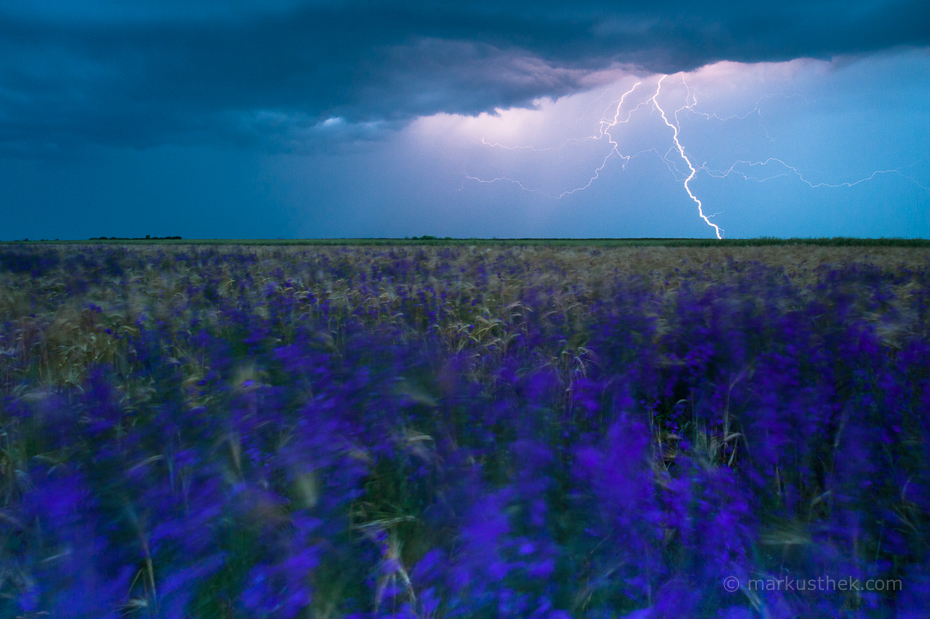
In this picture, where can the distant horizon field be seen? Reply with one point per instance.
(429, 240)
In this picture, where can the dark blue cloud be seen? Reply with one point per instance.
(271, 74)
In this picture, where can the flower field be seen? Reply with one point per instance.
(454, 431)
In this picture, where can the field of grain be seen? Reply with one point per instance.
(465, 431)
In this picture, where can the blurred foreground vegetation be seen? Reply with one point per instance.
(471, 430)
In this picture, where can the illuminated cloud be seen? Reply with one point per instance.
(149, 73)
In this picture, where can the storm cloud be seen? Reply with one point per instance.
(279, 75)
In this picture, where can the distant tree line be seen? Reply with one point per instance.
(148, 237)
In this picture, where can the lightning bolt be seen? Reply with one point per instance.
(604, 128)
(681, 151)
(469, 177)
(791, 170)
(606, 125)
(603, 131)
(755, 111)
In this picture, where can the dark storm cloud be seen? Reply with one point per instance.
(280, 73)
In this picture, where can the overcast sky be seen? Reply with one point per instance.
(291, 118)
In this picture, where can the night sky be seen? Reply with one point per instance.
(294, 119)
